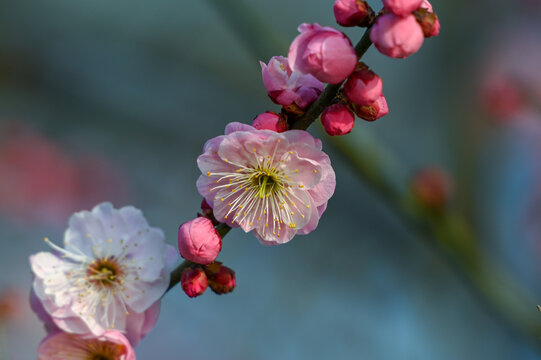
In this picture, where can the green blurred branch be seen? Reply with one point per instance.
(448, 233)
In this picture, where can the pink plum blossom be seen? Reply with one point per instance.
(363, 87)
(337, 119)
(397, 37)
(286, 87)
(194, 281)
(352, 12)
(198, 241)
(402, 7)
(276, 184)
(111, 345)
(322, 51)
(270, 121)
(373, 111)
(110, 274)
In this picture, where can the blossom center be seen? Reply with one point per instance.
(104, 351)
(105, 272)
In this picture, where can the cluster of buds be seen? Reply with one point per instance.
(401, 28)
(200, 243)
(196, 278)
(322, 54)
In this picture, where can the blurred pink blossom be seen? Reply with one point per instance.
(40, 181)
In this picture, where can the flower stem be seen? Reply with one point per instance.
(177, 273)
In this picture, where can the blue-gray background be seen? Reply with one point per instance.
(145, 83)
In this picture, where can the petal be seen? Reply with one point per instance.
(237, 126)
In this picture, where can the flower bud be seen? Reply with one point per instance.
(207, 211)
(429, 22)
(402, 7)
(324, 52)
(363, 87)
(501, 96)
(373, 111)
(397, 37)
(194, 281)
(270, 121)
(432, 187)
(221, 279)
(353, 12)
(287, 87)
(198, 241)
(337, 119)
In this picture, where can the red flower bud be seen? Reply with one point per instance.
(194, 281)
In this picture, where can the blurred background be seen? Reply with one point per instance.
(113, 100)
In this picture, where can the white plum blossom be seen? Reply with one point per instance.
(110, 274)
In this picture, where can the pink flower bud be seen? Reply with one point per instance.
(397, 37)
(363, 87)
(428, 19)
(352, 12)
(270, 121)
(402, 7)
(194, 281)
(324, 52)
(287, 87)
(198, 241)
(373, 111)
(501, 96)
(337, 119)
(221, 278)
(432, 187)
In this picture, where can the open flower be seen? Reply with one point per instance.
(286, 86)
(112, 345)
(276, 184)
(110, 274)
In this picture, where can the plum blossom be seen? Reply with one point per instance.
(112, 345)
(276, 184)
(110, 274)
(286, 87)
